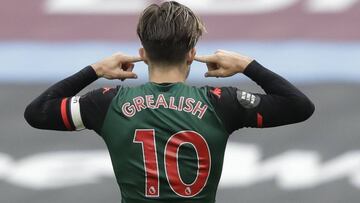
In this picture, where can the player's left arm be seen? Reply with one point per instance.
(282, 104)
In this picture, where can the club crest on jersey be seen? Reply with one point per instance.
(185, 104)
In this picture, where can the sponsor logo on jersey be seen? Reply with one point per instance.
(106, 89)
(217, 92)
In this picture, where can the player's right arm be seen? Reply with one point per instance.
(282, 104)
(58, 108)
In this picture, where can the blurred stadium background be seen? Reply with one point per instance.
(313, 43)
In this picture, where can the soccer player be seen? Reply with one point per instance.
(167, 139)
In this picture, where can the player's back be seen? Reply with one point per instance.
(166, 143)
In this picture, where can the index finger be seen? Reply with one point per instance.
(131, 59)
(206, 58)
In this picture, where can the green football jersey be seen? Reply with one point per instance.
(166, 143)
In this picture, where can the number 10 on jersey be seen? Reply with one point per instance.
(146, 137)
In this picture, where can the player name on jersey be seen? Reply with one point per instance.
(188, 105)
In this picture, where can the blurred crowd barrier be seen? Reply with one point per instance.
(44, 20)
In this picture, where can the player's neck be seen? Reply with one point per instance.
(168, 74)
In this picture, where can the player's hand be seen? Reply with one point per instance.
(224, 63)
(117, 66)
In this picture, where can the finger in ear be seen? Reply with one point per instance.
(213, 73)
(128, 66)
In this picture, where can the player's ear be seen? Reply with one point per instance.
(143, 55)
(190, 56)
